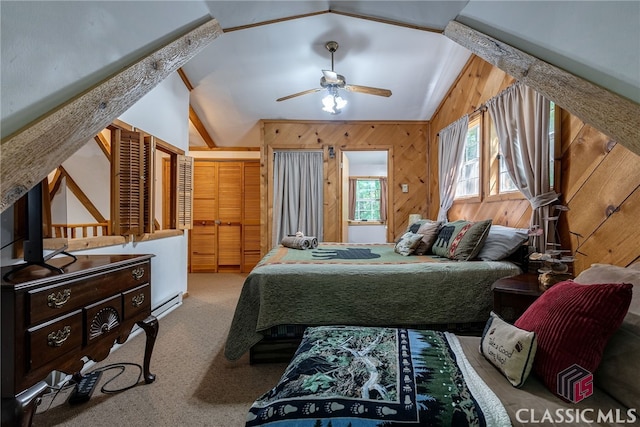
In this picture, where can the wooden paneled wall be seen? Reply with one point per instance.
(405, 141)
(601, 187)
(599, 179)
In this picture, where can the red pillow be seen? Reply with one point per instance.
(573, 323)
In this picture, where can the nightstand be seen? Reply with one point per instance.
(513, 295)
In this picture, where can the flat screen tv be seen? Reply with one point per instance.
(30, 233)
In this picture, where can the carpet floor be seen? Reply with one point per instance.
(195, 385)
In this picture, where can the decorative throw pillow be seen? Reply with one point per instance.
(461, 240)
(573, 323)
(510, 349)
(429, 231)
(501, 242)
(408, 243)
(618, 370)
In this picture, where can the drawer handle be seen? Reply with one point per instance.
(58, 300)
(137, 300)
(137, 273)
(56, 339)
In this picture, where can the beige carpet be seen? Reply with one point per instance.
(195, 384)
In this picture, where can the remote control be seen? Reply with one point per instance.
(84, 389)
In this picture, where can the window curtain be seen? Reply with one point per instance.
(383, 199)
(450, 152)
(352, 197)
(521, 117)
(298, 194)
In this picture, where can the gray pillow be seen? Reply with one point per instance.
(501, 242)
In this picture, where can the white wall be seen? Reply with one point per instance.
(53, 50)
(596, 40)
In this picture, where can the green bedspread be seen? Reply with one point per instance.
(360, 284)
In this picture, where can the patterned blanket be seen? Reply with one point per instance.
(358, 284)
(365, 377)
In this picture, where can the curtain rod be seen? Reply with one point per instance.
(482, 107)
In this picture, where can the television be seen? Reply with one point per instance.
(27, 228)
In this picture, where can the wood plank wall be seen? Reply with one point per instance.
(405, 141)
(599, 179)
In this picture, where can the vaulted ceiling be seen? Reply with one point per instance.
(270, 50)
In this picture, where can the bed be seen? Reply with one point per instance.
(378, 376)
(360, 284)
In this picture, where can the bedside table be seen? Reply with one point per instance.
(513, 295)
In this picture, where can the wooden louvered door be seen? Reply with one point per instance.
(132, 169)
(226, 216)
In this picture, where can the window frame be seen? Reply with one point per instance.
(474, 120)
(366, 221)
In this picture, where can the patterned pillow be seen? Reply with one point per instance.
(510, 349)
(573, 324)
(429, 229)
(408, 243)
(461, 240)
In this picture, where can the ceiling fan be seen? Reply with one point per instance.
(332, 81)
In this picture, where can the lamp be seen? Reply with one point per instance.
(332, 102)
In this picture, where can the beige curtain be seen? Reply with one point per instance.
(383, 199)
(521, 117)
(352, 198)
(450, 152)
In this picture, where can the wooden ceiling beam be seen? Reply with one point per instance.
(606, 111)
(81, 196)
(31, 153)
(197, 123)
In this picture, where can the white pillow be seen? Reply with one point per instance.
(408, 243)
(501, 242)
(508, 348)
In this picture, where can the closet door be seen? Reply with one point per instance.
(251, 219)
(229, 216)
(203, 237)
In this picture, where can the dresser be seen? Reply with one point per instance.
(52, 320)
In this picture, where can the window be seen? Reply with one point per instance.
(469, 181)
(367, 199)
(151, 183)
(500, 181)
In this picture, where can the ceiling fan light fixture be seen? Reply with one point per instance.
(332, 103)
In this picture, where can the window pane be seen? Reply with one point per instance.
(367, 199)
(469, 181)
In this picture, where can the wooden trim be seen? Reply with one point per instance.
(197, 123)
(224, 149)
(31, 153)
(103, 144)
(388, 22)
(273, 21)
(185, 79)
(86, 202)
(612, 114)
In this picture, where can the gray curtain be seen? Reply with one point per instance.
(521, 117)
(352, 197)
(297, 194)
(383, 199)
(450, 152)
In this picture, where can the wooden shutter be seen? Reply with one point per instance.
(185, 193)
(131, 183)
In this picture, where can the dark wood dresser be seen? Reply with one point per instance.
(51, 320)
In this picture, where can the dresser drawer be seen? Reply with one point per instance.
(137, 301)
(53, 339)
(103, 317)
(53, 301)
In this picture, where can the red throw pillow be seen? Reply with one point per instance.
(573, 323)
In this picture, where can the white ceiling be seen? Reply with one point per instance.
(239, 76)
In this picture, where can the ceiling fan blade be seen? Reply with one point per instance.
(284, 98)
(331, 76)
(369, 90)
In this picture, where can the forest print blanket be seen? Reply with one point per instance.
(368, 376)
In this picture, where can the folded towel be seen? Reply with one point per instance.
(306, 242)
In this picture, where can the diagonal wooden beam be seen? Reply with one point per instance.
(28, 155)
(103, 144)
(82, 197)
(195, 120)
(608, 112)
